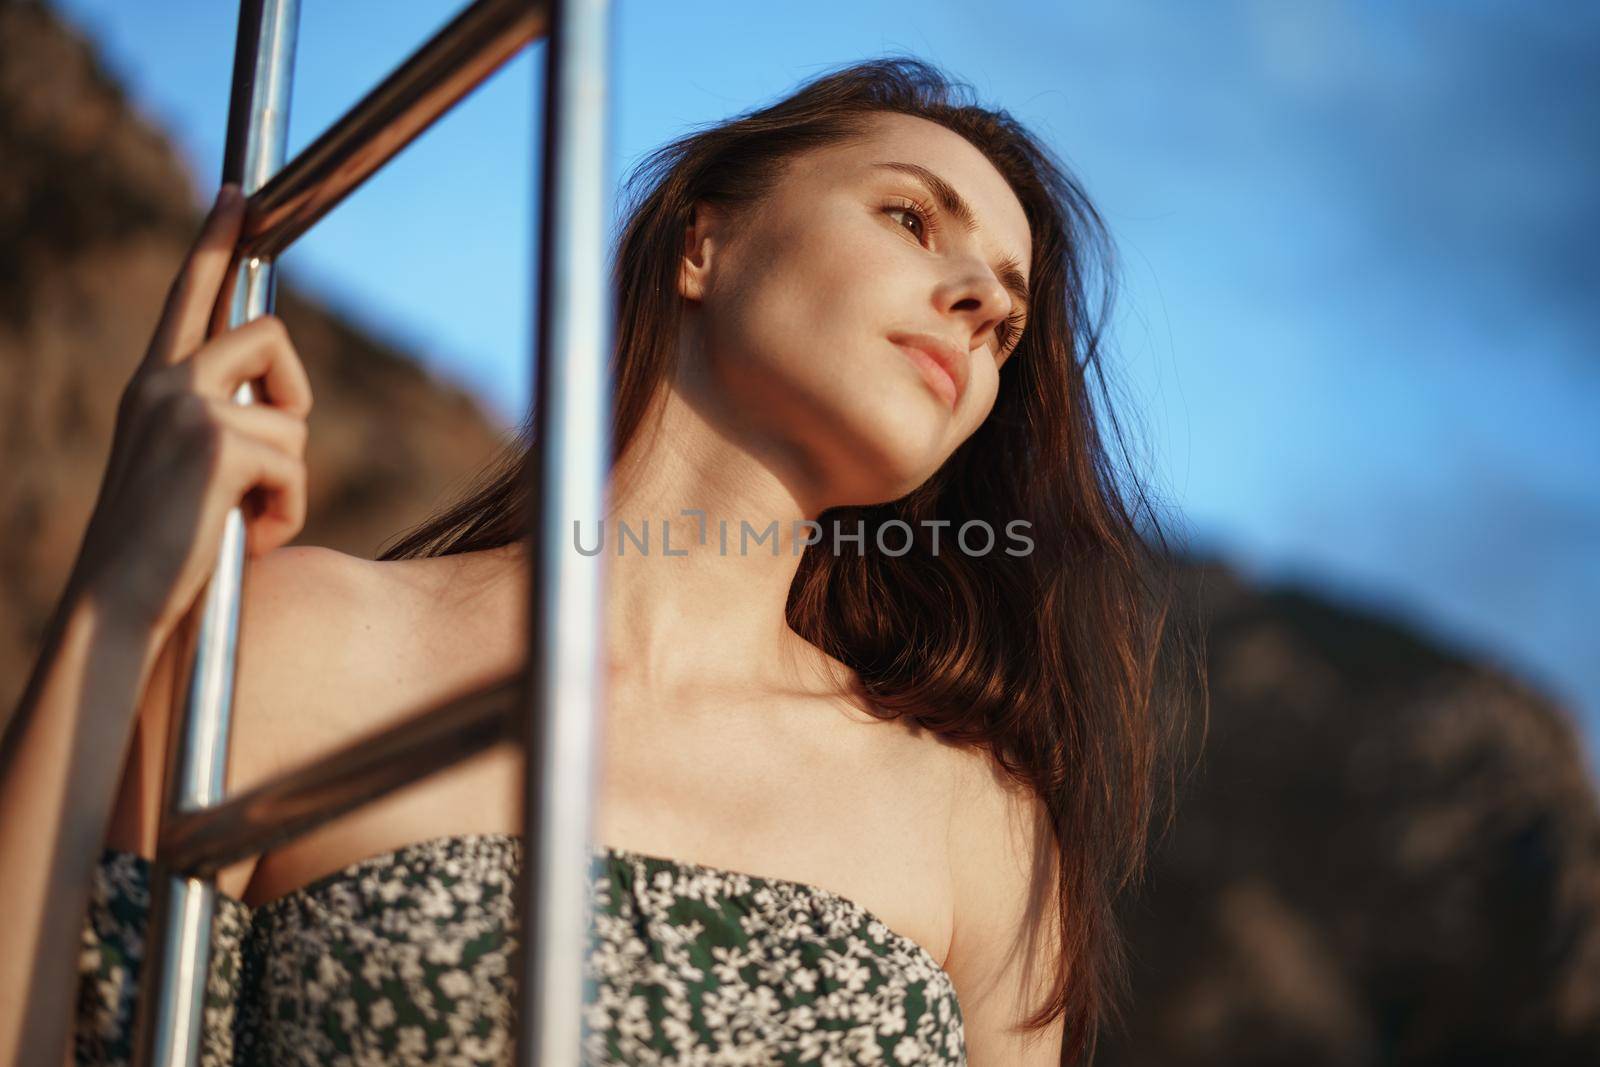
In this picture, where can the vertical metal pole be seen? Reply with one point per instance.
(178, 941)
(567, 474)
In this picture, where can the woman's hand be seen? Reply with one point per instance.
(184, 452)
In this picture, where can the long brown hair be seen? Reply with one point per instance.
(1047, 660)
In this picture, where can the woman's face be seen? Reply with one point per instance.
(803, 320)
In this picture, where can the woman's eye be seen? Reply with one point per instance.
(912, 213)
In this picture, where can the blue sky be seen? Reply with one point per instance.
(1360, 247)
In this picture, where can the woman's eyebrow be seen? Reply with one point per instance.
(953, 204)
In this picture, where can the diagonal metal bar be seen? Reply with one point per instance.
(450, 65)
(203, 842)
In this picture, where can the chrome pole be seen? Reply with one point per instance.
(567, 472)
(178, 941)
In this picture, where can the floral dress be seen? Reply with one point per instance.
(406, 958)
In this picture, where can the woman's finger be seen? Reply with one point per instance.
(187, 312)
(259, 349)
(275, 502)
(282, 431)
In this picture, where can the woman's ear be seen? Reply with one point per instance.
(701, 237)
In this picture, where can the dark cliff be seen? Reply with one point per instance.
(1389, 854)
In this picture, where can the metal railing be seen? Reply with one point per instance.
(551, 707)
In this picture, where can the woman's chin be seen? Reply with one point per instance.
(898, 446)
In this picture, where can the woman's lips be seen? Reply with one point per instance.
(934, 372)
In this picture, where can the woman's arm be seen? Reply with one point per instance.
(1001, 973)
(183, 455)
(62, 751)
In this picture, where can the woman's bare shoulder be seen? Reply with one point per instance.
(299, 598)
(306, 627)
(333, 646)
(286, 581)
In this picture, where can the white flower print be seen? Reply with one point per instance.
(455, 984)
(907, 1051)
(443, 952)
(406, 958)
(381, 1013)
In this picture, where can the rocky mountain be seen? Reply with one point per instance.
(1389, 854)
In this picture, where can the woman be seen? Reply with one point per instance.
(869, 798)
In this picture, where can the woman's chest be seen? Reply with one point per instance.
(411, 956)
(860, 809)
